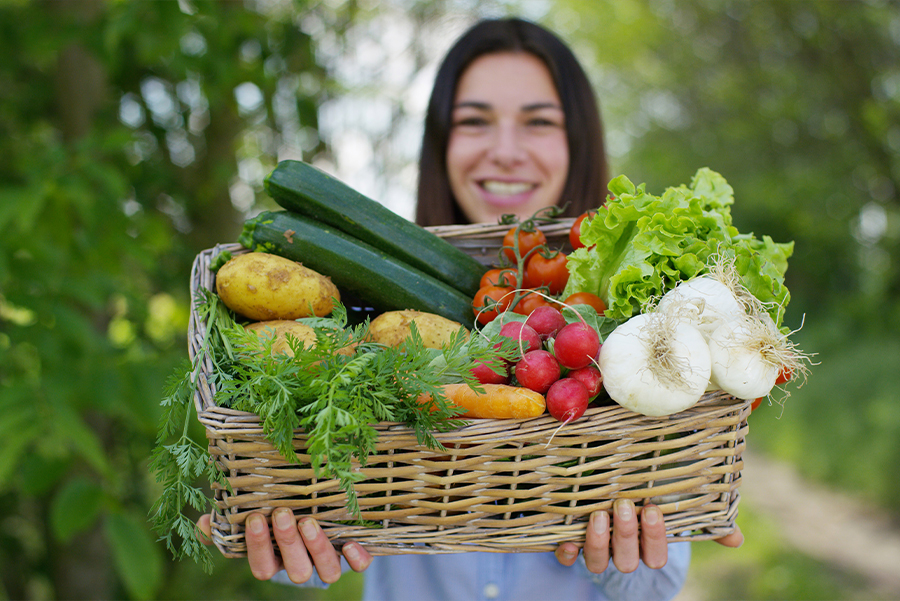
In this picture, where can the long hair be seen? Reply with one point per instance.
(588, 171)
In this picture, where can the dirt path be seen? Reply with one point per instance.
(828, 525)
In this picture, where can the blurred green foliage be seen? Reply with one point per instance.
(134, 134)
(121, 130)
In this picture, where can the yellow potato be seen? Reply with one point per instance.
(262, 286)
(392, 327)
(281, 328)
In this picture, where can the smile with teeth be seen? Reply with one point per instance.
(506, 188)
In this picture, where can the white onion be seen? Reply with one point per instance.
(704, 301)
(745, 357)
(655, 364)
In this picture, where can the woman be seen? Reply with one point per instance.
(586, 175)
(512, 127)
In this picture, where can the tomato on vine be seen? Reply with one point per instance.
(528, 240)
(499, 277)
(489, 301)
(575, 231)
(546, 270)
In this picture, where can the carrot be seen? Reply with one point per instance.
(498, 401)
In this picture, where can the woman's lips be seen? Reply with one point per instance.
(506, 194)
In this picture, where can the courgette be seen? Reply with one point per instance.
(355, 267)
(302, 188)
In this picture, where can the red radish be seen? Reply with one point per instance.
(537, 370)
(484, 374)
(546, 321)
(576, 345)
(524, 335)
(591, 378)
(567, 399)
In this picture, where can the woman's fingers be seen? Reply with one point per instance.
(654, 546)
(626, 551)
(294, 556)
(205, 529)
(733, 540)
(357, 556)
(596, 544)
(320, 549)
(260, 554)
(566, 553)
(301, 545)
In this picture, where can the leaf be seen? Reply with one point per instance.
(14, 444)
(642, 245)
(39, 473)
(75, 508)
(135, 554)
(19, 427)
(68, 425)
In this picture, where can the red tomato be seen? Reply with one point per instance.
(498, 297)
(575, 232)
(586, 298)
(541, 271)
(499, 277)
(784, 376)
(756, 404)
(529, 303)
(527, 242)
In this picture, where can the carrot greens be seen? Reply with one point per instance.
(333, 393)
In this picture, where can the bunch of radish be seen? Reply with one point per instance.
(708, 333)
(555, 358)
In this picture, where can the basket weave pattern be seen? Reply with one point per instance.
(522, 485)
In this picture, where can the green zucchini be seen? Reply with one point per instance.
(356, 268)
(302, 188)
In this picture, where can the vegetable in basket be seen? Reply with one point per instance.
(639, 246)
(317, 386)
(357, 268)
(263, 286)
(707, 333)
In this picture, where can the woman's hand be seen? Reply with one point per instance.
(633, 539)
(303, 546)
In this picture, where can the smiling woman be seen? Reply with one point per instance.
(512, 126)
(507, 151)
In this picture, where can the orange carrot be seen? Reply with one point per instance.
(498, 401)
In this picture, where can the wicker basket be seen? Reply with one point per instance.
(502, 485)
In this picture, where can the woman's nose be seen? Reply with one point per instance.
(506, 148)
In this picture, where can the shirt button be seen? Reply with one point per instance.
(491, 591)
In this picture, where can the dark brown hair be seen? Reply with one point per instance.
(587, 179)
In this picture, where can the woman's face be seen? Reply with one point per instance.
(508, 151)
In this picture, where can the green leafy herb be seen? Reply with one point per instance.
(180, 462)
(336, 398)
(331, 395)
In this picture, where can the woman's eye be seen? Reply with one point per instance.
(470, 122)
(543, 122)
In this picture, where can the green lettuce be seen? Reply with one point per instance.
(639, 246)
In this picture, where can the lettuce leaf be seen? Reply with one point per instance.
(639, 246)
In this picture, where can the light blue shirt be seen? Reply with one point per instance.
(514, 577)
